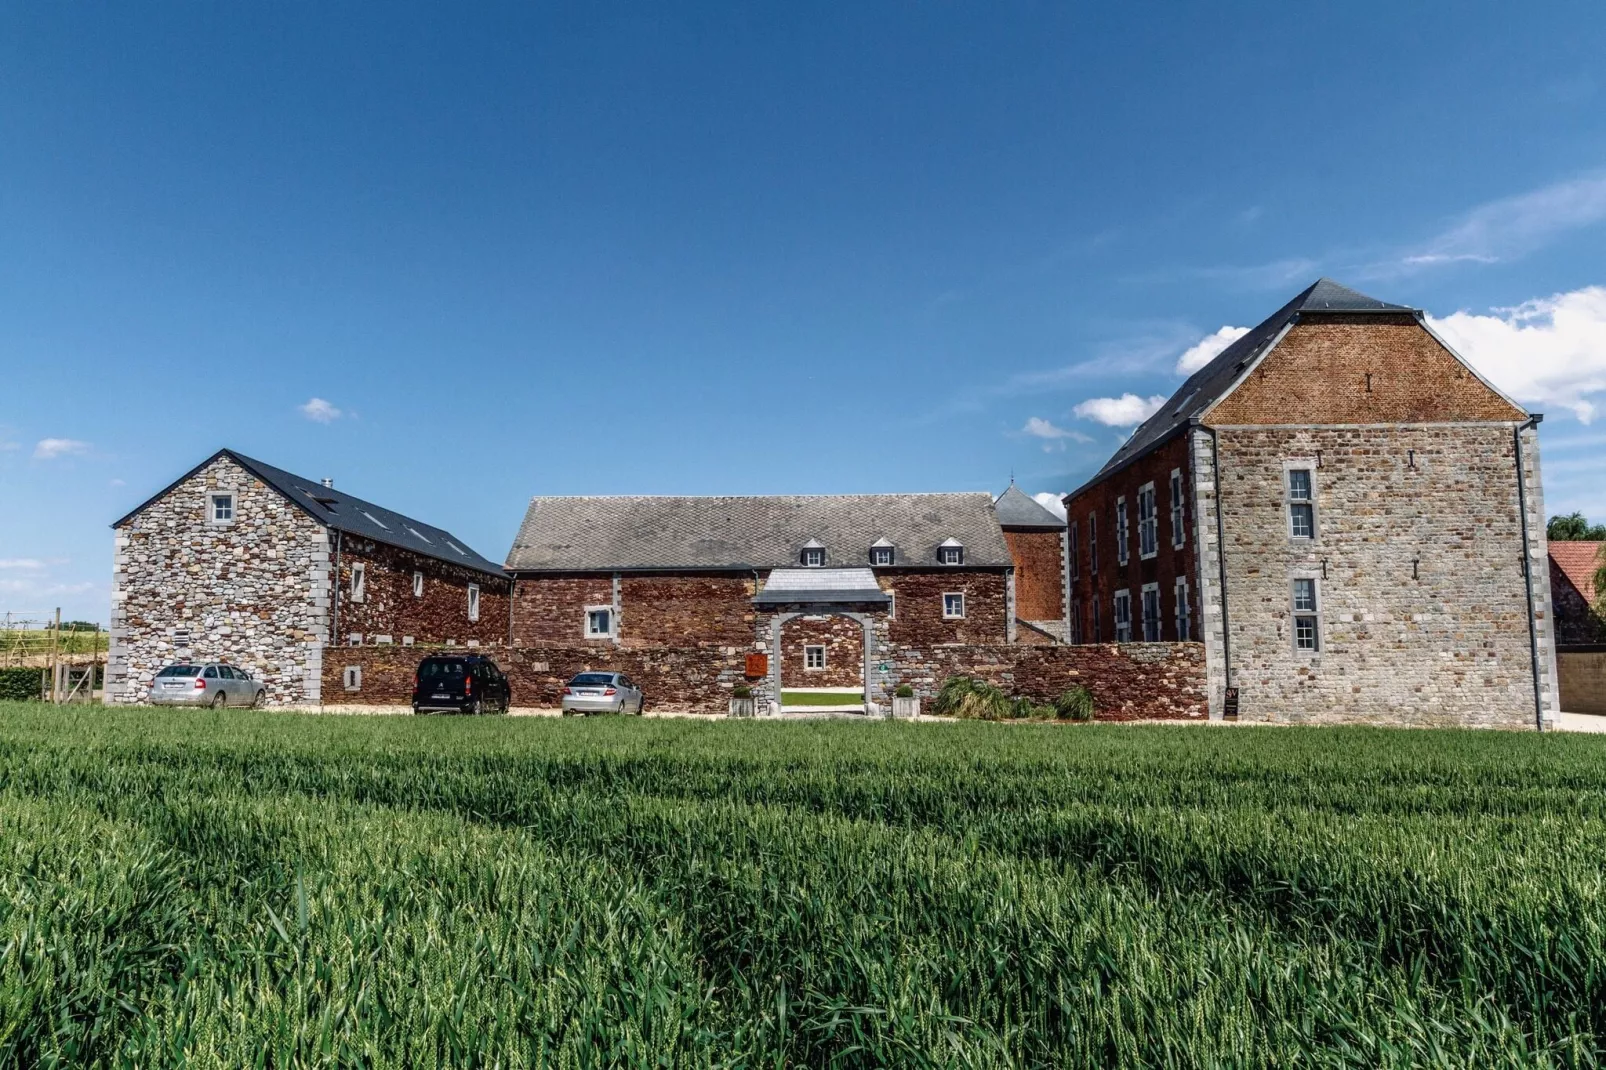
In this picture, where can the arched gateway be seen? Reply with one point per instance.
(821, 595)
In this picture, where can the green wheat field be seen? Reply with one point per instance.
(278, 890)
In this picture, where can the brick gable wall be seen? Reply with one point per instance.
(1318, 375)
(389, 607)
(1039, 574)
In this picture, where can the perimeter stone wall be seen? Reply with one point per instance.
(254, 592)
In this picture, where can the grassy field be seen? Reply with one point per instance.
(251, 888)
(821, 698)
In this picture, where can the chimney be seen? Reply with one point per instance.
(328, 482)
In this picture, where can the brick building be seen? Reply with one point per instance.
(1036, 539)
(246, 563)
(839, 591)
(1573, 565)
(1344, 513)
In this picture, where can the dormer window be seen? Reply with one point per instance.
(951, 552)
(813, 554)
(881, 553)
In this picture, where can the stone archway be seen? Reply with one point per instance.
(778, 659)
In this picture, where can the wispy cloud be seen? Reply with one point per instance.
(1208, 349)
(30, 563)
(48, 449)
(1547, 351)
(1052, 502)
(1124, 411)
(1052, 435)
(320, 411)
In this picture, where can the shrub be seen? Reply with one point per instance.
(1075, 704)
(19, 685)
(1024, 709)
(966, 696)
(741, 691)
(904, 691)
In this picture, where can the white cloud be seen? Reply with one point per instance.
(117, 483)
(1038, 427)
(1548, 351)
(1208, 348)
(1052, 502)
(1124, 411)
(21, 562)
(320, 411)
(7, 447)
(48, 449)
(1512, 226)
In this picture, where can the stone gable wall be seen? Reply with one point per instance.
(1423, 605)
(254, 593)
(389, 607)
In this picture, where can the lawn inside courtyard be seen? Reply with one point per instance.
(258, 888)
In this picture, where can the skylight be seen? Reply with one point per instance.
(418, 533)
(375, 519)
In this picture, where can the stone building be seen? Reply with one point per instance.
(1347, 516)
(839, 591)
(1036, 539)
(242, 562)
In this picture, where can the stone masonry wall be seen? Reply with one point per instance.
(253, 593)
(843, 640)
(390, 609)
(1417, 557)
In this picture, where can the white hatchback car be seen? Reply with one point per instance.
(206, 683)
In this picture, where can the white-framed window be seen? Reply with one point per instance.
(220, 508)
(1148, 523)
(1093, 545)
(950, 553)
(1098, 622)
(1151, 612)
(814, 657)
(473, 601)
(953, 605)
(1184, 619)
(354, 639)
(1076, 623)
(1179, 518)
(1123, 616)
(1073, 551)
(351, 677)
(599, 622)
(881, 556)
(892, 605)
(1121, 551)
(1303, 599)
(359, 582)
(1301, 503)
(418, 585)
(382, 640)
(814, 557)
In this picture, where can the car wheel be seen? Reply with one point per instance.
(641, 705)
(219, 701)
(261, 697)
(475, 708)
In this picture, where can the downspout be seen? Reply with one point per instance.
(1221, 558)
(512, 591)
(334, 601)
(1527, 568)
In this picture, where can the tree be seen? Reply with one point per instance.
(1574, 528)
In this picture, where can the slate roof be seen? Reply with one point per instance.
(1212, 382)
(793, 585)
(1578, 561)
(339, 511)
(592, 534)
(1016, 510)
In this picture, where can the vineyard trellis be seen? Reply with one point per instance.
(71, 658)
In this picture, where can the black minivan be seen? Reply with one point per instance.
(460, 683)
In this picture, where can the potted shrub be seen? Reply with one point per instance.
(904, 702)
(742, 701)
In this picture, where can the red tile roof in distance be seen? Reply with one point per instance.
(1578, 562)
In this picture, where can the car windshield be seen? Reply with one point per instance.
(180, 670)
(591, 679)
(434, 670)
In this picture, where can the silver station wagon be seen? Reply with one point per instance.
(206, 683)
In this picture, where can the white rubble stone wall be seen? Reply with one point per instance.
(1423, 605)
(253, 592)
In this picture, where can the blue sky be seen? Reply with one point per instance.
(454, 260)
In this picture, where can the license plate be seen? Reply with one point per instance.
(172, 687)
(440, 696)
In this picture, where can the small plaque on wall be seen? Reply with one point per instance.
(757, 665)
(1229, 704)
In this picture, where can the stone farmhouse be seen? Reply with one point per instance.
(242, 562)
(1346, 515)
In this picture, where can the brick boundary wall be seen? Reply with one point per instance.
(1130, 681)
(1582, 673)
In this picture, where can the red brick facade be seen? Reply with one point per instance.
(1039, 573)
(439, 613)
(840, 641)
(1097, 570)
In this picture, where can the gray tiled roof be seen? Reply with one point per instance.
(1212, 382)
(340, 511)
(1016, 510)
(647, 533)
(793, 585)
